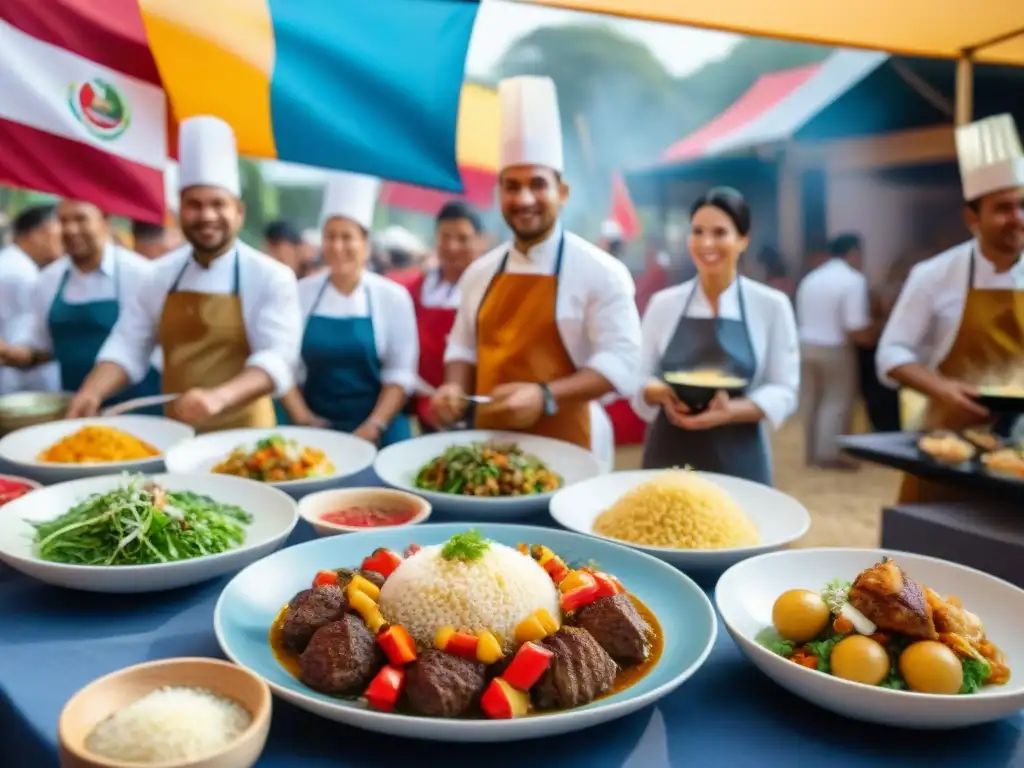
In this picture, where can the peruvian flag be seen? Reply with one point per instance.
(81, 116)
(623, 212)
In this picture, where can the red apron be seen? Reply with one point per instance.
(434, 325)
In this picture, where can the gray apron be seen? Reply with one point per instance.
(740, 450)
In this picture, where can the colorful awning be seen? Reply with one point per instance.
(993, 30)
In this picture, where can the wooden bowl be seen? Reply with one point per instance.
(26, 409)
(314, 505)
(105, 696)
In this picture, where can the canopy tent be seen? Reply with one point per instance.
(990, 32)
(476, 152)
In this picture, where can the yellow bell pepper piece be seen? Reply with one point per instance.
(365, 586)
(546, 620)
(363, 604)
(488, 649)
(442, 636)
(574, 580)
(530, 629)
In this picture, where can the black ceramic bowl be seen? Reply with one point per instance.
(698, 397)
(997, 401)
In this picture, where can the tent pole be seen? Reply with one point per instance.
(964, 89)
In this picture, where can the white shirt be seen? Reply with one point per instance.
(438, 293)
(394, 321)
(18, 277)
(832, 302)
(925, 321)
(775, 386)
(270, 310)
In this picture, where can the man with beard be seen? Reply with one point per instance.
(226, 316)
(79, 298)
(959, 321)
(548, 324)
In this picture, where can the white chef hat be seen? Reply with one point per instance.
(990, 155)
(208, 154)
(351, 196)
(610, 230)
(531, 128)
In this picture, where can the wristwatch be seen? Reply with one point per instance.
(550, 405)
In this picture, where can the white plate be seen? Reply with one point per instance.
(780, 519)
(398, 464)
(314, 505)
(274, 517)
(22, 447)
(349, 454)
(746, 593)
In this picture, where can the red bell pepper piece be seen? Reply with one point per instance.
(325, 578)
(607, 585)
(529, 663)
(556, 569)
(398, 645)
(412, 549)
(383, 561)
(383, 691)
(579, 597)
(503, 702)
(461, 644)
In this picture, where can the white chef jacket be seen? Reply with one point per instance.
(394, 321)
(270, 310)
(437, 293)
(130, 271)
(595, 311)
(832, 302)
(18, 277)
(925, 321)
(775, 386)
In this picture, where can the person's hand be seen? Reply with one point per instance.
(658, 392)
(83, 405)
(717, 413)
(310, 419)
(369, 431)
(197, 405)
(959, 407)
(449, 403)
(518, 405)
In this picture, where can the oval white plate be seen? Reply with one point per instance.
(250, 602)
(22, 447)
(398, 464)
(274, 516)
(746, 592)
(349, 454)
(780, 518)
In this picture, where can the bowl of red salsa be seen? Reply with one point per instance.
(350, 510)
(13, 487)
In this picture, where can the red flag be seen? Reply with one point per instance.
(623, 212)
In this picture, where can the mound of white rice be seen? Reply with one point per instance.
(494, 593)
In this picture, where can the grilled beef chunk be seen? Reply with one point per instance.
(579, 672)
(345, 576)
(618, 628)
(308, 611)
(439, 684)
(342, 657)
(372, 576)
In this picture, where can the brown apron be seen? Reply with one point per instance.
(205, 345)
(518, 341)
(991, 337)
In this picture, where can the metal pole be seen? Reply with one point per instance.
(964, 89)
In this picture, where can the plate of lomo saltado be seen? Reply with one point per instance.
(457, 633)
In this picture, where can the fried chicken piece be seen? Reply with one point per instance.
(894, 602)
(963, 633)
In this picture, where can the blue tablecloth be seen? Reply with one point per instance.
(54, 641)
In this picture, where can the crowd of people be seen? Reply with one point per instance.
(547, 326)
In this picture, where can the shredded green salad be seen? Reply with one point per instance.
(835, 595)
(141, 523)
(487, 469)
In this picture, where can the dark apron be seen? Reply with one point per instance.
(740, 450)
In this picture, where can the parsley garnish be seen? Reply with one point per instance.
(465, 546)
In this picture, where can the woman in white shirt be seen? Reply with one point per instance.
(724, 322)
(360, 349)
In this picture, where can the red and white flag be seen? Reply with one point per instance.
(77, 125)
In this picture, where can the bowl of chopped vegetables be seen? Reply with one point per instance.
(885, 637)
(75, 448)
(138, 533)
(485, 475)
(297, 460)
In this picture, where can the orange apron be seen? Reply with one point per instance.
(991, 337)
(518, 341)
(205, 345)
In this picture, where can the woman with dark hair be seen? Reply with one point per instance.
(729, 324)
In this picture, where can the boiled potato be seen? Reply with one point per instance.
(800, 615)
(931, 667)
(860, 659)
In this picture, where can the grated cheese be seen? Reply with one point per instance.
(169, 724)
